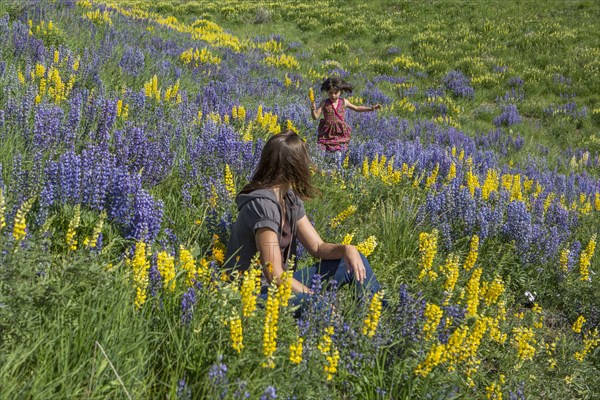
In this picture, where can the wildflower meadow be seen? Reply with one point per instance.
(128, 127)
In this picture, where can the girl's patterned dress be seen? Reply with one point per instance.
(334, 132)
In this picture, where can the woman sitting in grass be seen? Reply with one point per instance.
(271, 218)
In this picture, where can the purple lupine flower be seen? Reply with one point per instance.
(518, 224)
(106, 121)
(241, 392)
(459, 84)
(457, 314)
(409, 314)
(374, 95)
(510, 116)
(269, 394)
(574, 254)
(154, 277)
(132, 61)
(516, 81)
(519, 394)
(183, 391)
(188, 301)
(218, 378)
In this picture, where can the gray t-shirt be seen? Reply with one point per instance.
(260, 209)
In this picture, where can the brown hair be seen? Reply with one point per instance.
(284, 161)
(337, 83)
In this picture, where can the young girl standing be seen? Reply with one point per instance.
(334, 132)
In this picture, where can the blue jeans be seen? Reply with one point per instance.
(334, 271)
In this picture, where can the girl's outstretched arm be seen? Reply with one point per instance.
(315, 111)
(267, 244)
(361, 108)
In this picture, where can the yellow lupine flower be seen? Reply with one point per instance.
(188, 264)
(431, 179)
(494, 327)
(577, 325)
(515, 190)
(311, 95)
(282, 61)
(374, 168)
(249, 290)
(585, 259)
(203, 273)
(270, 326)
(472, 181)
(368, 246)
(20, 226)
(140, 266)
(198, 57)
(433, 314)
(330, 367)
(40, 70)
(296, 351)
(324, 345)
(218, 250)
(73, 225)
(21, 77)
(92, 241)
(287, 81)
(259, 114)
(365, 167)
(76, 64)
(473, 341)
(229, 184)
(494, 291)
(372, 319)
(166, 266)
(523, 341)
(348, 238)
(454, 348)
(473, 292)
(451, 271)
(494, 391)
(290, 126)
(2, 210)
(241, 113)
(284, 290)
(236, 333)
(342, 216)
(428, 250)
(564, 260)
(548, 201)
(434, 358)
(346, 161)
(490, 184)
(590, 341)
(473, 253)
(451, 171)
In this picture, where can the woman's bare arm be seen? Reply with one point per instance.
(311, 240)
(267, 244)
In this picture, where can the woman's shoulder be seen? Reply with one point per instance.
(294, 198)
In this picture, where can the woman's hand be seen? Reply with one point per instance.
(354, 263)
(376, 107)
